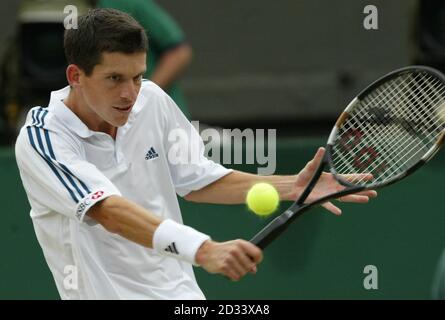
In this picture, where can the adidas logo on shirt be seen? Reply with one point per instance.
(172, 248)
(151, 154)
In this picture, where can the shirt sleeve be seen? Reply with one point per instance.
(189, 168)
(56, 177)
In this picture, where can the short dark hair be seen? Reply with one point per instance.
(102, 30)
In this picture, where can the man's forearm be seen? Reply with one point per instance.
(129, 220)
(171, 65)
(233, 188)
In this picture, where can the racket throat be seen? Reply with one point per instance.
(272, 230)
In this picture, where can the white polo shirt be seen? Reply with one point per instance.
(66, 168)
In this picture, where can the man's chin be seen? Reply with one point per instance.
(118, 122)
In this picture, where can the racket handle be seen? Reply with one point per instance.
(263, 238)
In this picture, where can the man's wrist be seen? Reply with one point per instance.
(202, 252)
(291, 193)
(177, 240)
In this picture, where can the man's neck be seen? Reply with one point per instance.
(87, 116)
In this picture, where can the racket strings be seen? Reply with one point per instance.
(392, 128)
(405, 111)
(406, 146)
(408, 158)
(425, 130)
(405, 160)
(368, 126)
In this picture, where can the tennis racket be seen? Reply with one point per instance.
(389, 130)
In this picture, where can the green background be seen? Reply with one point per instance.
(321, 256)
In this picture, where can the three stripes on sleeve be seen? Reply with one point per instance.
(40, 140)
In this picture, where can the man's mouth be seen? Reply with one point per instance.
(124, 108)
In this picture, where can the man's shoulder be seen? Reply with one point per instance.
(153, 97)
(151, 89)
(43, 118)
(39, 124)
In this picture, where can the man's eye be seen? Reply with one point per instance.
(114, 78)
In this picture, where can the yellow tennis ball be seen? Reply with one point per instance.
(263, 199)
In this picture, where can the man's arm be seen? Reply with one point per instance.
(171, 64)
(128, 219)
(233, 188)
(133, 222)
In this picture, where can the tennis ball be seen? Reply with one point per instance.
(263, 199)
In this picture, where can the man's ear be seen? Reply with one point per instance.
(73, 74)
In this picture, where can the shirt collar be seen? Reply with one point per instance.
(68, 117)
(72, 121)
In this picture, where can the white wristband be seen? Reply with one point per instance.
(177, 240)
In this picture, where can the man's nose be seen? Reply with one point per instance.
(129, 91)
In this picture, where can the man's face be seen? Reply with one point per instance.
(112, 88)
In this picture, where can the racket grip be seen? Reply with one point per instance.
(263, 238)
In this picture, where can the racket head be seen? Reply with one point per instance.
(390, 129)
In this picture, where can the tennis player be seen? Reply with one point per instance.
(95, 166)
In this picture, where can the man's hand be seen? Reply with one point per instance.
(232, 259)
(327, 185)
